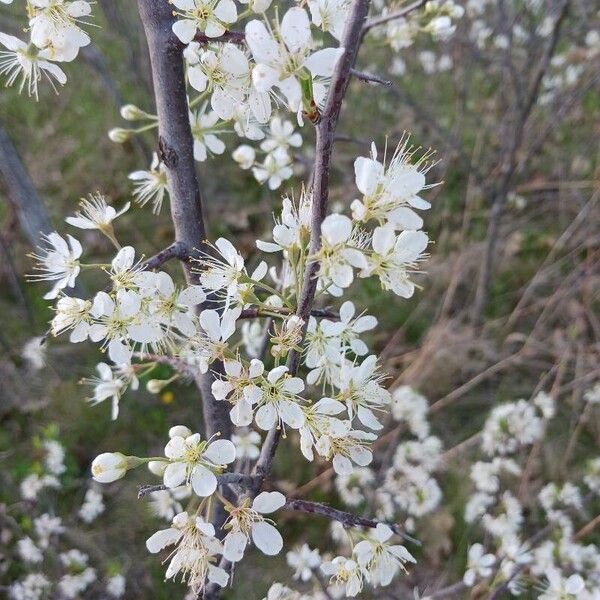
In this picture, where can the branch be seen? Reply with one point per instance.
(175, 250)
(255, 313)
(346, 518)
(235, 37)
(370, 78)
(399, 14)
(325, 135)
(240, 479)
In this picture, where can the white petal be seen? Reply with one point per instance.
(203, 481)
(268, 502)
(295, 29)
(221, 452)
(234, 546)
(174, 474)
(266, 538)
(161, 539)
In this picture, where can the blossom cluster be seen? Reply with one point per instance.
(56, 34)
(40, 539)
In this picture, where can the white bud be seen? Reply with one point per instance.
(244, 155)
(130, 112)
(154, 386)
(120, 135)
(109, 466)
(180, 430)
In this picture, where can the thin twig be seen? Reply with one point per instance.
(241, 479)
(399, 14)
(175, 250)
(370, 78)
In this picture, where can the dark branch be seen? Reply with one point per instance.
(240, 479)
(346, 518)
(370, 78)
(255, 313)
(399, 14)
(235, 37)
(176, 250)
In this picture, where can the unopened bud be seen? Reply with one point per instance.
(131, 112)
(154, 386)
(120, 135)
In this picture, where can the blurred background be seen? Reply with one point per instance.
(509, 300)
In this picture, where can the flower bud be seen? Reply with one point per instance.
(244, 155)
(130, 112)
(157, 467)
(109, 467)
(154, 386)
(120, 135)
(180, 430)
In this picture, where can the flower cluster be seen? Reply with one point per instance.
(55, 36)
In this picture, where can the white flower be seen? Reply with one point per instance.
(280, 402)
(247, 444)
(394, 258)
(109, 467)
(33, 484)
(92, 506)
(165, 503)
(34, 352)
(240, 387)
(344, 573)
(211, 16)
(247, 522)
(390, 194)
(108, 385)
(222, 272)
(28, 551)
(292, 229)
(380, 559)
(304, 561)
(329, 15)
(222, 71)
(34, 585)
(195, 461)
(54, 23)
(115, 587)
(281, 136)
(345, 446)
(196, 551)
(561, 587)
(72, 313)
(205, 130)
(54, 459)
(275, 169)
(319, 421)
(480, 565)
(45, 527)
(339, 253)
(29, 63)
(593, 394)
(150, 186)
(244, 156)
(284, 57)
(352, 487)
(361, 392)
(411, 407)
(413, 489)
(96, 214)
(353, 327)
(212, 344)
(59, 262)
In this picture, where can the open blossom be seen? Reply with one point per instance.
(379, 558)
(224, 271)
(195, 555)
(304, 561)
(280, 402)
(361, 392)
(411, 407)
(393, 258)
(344, 573)
(25, 61)
(292, 228)
(240, 386)
(480, 565)
(92, 506)
(150, 186)
(345, 447)
(247, 444)
(246, 522)
(281, 136)
(284, 58)
(217, 329)
(338, 254)
(72, 314)
(210, 16)
(55, 24)
(329, 15)
(223, 71)
(108, 385)
(391, 193)
(96, 214)
(274, 170)
(59, 262)
(205, 130)
(194, 461)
